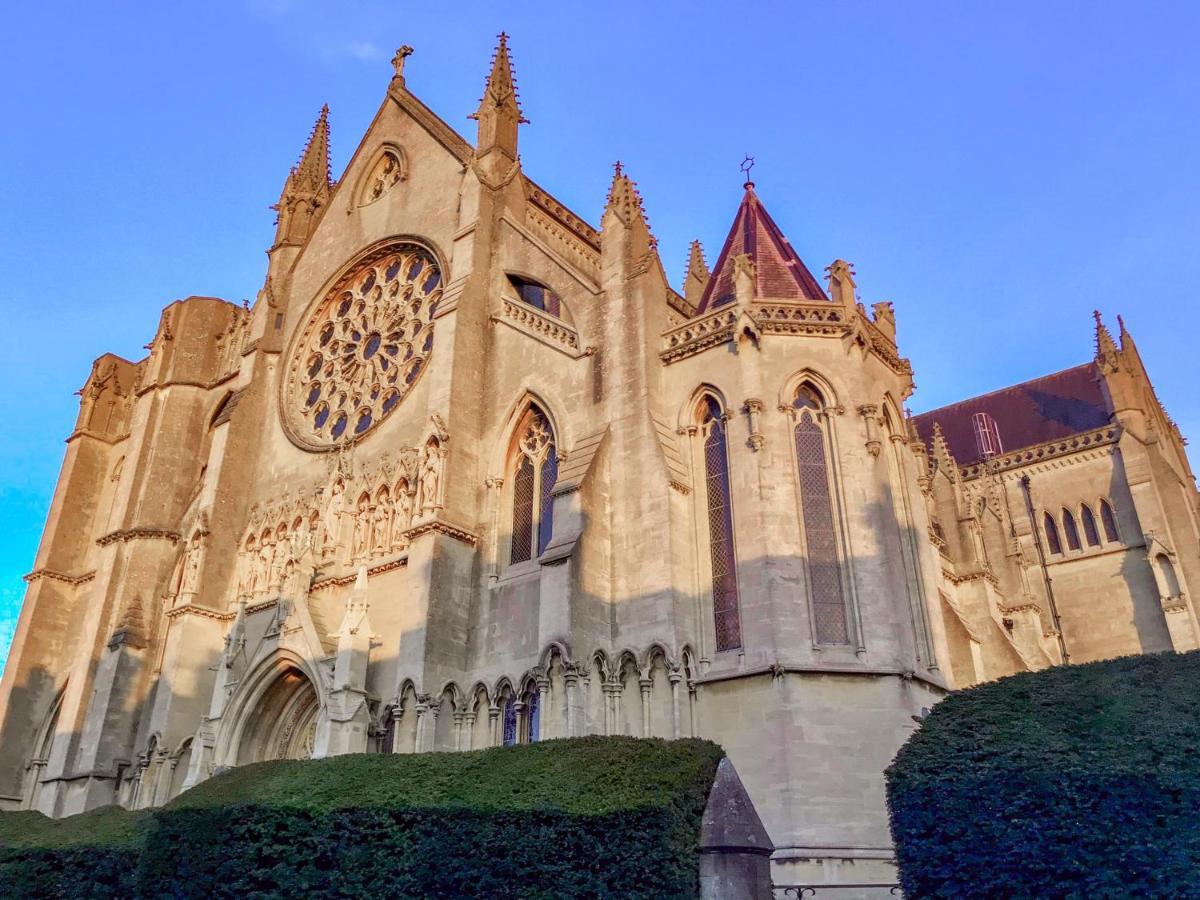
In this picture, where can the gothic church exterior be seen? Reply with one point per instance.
(471, 472)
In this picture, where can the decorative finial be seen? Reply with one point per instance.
(398, 60)
(618, 171)
(746, 166)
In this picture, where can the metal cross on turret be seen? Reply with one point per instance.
(746, 166)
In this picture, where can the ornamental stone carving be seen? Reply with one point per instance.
(363, 347)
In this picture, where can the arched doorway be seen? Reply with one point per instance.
(283, 723)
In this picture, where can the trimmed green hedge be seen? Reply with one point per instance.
(93, 855)
(587, 817)
(1077, 781)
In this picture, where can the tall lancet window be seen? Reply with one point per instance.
(726, 619)
(830, 624)
(535, 470)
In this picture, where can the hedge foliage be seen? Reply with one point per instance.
(1077, 781)
(586, 817)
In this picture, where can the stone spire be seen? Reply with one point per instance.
(307, 187)
(695, 279)
(1107, 355)
(499, 111)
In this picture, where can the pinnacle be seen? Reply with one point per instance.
(1104, 340)
(501, 88)
(624, 197)
(312, 171)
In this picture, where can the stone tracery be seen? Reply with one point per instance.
(363, 348)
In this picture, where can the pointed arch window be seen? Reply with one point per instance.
(719, 500)
(1069, 529)
(508, 721)
(1110, 523)
(1052, 539)
(535, 471)
(830, 622)
(1090, 532)
(531, 720)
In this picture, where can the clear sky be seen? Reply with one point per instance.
(998, 170)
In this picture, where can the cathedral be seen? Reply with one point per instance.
(471, 472)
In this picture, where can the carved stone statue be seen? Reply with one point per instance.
(362, 529)
(431, 478)
(381, 527)
(403, 517)
(191, 567)
(332, 519)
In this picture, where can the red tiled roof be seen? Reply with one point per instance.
(1045, 409)
(781, 274)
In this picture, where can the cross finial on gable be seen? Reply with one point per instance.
(398, 60)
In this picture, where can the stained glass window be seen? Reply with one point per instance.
(1110, 522)
(522, 530)
(508, 736)
(720, 527)
(532, 715)
(533, 488)
(1052, 540)
(1070, 530)
(1090, 534)
(830, 624)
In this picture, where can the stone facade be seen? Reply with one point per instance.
(470, 472)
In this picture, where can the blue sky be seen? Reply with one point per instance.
(998, 171)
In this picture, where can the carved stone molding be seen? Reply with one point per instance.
(38, 574)
(139, 534)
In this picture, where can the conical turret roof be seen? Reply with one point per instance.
(780, 273)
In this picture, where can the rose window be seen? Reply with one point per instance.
(363, 347)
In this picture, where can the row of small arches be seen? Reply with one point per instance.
(650, 696)
(1070, 538)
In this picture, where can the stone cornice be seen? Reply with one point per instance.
(138, 534)
(38, 574)
(97, 436)
(437, 525)
(341, 580)
(203, 612)
(817, 319)
(1026, 456)
(574, 225)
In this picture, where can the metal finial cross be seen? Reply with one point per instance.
(746, 166)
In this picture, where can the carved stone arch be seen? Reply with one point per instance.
(528, 398)
(659, 694)
(552, 649)
(449, 703)
(601, 665)
(819, 383)
(891, 415)
(628, 675)
(246, 729)
(688, 412)
(180, 762)
(656, 649)
(376, 180)
(481, 726)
